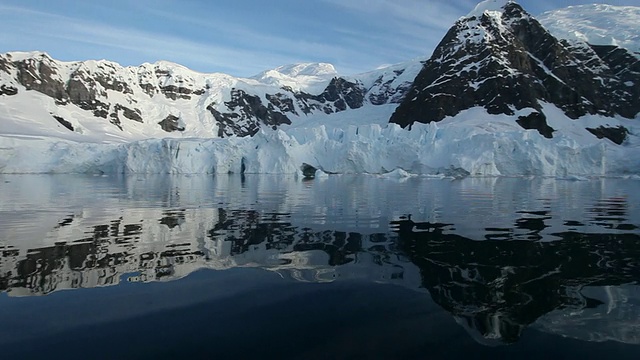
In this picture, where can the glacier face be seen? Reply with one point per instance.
(463, 145)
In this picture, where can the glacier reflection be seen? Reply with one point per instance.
(498, 254)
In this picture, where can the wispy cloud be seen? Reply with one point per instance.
(434, 15)
(78, 32)
(355, 46)
(362, 35)
(417, 25)
(249, 51)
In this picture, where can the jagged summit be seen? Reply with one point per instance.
(488, 5)
(508, 63)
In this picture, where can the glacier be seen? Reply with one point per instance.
(466, 144)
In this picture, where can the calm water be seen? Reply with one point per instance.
(345, 267)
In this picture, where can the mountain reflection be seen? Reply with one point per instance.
(498, 287)
(536, 270)
(238, 238)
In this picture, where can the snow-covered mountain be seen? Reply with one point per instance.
(597, 24)
(503, 59)
(299, 77)
(87, 100)
(500, 96)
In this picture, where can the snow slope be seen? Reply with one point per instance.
(597, 24)
(309, 77)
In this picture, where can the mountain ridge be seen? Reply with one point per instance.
(223, 105)
(220, 104)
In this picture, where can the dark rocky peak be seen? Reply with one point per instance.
(343, 94)
(386, 85)
(9, 84)
(39, 72)
(85, 84)
(625, 66)
(245, 113)
(174, 81)
(504, 60)
(5, 62)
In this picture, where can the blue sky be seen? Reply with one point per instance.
(239, 37)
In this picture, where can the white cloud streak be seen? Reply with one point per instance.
(243, 61)
(239, 48)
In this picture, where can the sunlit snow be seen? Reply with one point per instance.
(597, 24)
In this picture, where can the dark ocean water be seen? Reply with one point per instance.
(262, 266)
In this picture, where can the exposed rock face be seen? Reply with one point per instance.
(171, 123)
(537, 121)
(506, 61)
(616, 134)
(176, 92)
(8, 90)
(63, 122)
(626, 68)
(40, 75)
(384, 89)
(339, 95)
(246, 114)
(131, 114)
(282, 102)
(342, 94)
